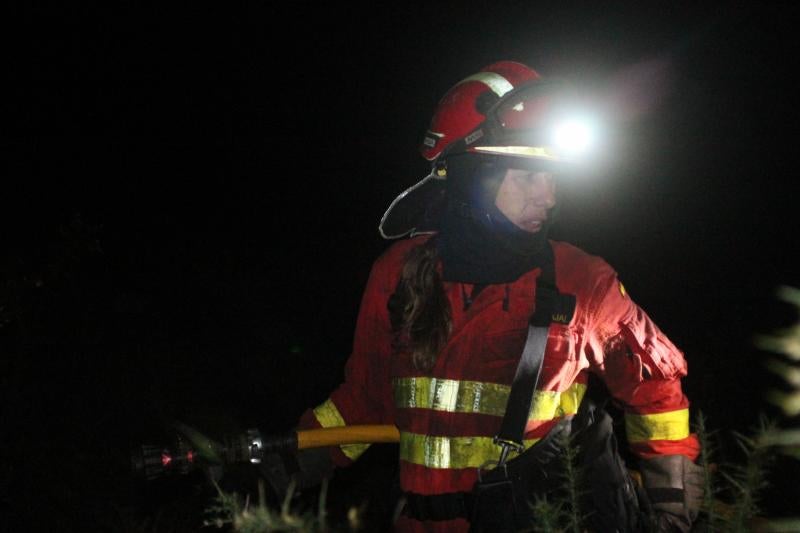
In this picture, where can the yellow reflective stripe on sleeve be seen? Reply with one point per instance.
(673, 425)
(454, 396)
(329, 416)
(451, 452)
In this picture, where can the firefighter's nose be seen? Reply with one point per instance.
(543, 193)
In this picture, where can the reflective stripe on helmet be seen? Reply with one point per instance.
(497, 83)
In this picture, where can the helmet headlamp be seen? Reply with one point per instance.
(540, 120)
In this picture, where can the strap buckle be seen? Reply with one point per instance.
(506, 447)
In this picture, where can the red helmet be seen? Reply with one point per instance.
(506, 108)
(463, 108)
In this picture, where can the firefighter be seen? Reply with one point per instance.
(445, 312)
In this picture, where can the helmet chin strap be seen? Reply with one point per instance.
(416, 223)
(399, 198)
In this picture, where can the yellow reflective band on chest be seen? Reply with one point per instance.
(329, 416)
(451, 452)
(454, 396)
(450, 395)
(673, 425)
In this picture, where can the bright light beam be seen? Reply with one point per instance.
(574, 136)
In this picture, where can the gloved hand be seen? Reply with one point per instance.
(306, 467)
(674, 486)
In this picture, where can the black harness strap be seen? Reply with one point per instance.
(551, 306)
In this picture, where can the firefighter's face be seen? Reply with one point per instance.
(525, 197)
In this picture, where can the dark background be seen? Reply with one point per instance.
(191, 201)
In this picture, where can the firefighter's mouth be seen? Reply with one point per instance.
(532, 224)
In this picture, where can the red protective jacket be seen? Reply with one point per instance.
(448, 416)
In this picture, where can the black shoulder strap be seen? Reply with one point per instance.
(551, 306)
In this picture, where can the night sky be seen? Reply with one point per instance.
(191, 205)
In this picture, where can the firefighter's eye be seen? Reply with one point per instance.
(533, 178)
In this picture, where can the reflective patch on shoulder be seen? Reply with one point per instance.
(622, 290)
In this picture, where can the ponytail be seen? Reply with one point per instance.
(419, 310)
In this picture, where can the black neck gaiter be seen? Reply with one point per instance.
(476, 242)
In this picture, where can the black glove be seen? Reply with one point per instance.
(306, 467)
(674, 487)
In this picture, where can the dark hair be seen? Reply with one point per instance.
(419, 310)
